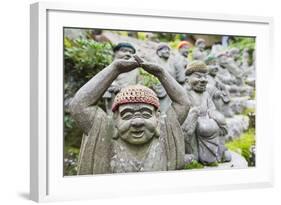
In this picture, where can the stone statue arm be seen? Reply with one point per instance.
(175, 91)
(84, 101)
(217, 116)
(190, 123)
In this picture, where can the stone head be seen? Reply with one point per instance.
(184, 47)
(136, 114)
(234, 53)
(222, 58)
(197, 76)
(163, 51)
(200, 43)
(123, 51)
(211, 62)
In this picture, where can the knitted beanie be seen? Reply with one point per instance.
(196, 66)
(135, 94)
(162, 45)
(123, 44)
(183, 43)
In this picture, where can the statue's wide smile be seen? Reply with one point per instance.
(137, 134)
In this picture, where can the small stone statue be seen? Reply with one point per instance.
(230, 74)
(217, 89)
(167, 62)
(136, 138)
(199, 52)
(245, 59)
(164, 59)
(181, 58)
(204, 127)
(234, 55)
(121, 51)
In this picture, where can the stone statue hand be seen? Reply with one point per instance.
(124, 66)
(114, 89)
(151, 68)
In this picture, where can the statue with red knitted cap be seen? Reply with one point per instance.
(136, 138)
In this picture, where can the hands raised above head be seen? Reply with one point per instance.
(124, 66)
(151, 68)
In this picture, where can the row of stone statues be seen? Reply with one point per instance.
(179, 120)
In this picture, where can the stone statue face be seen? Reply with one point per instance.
(213, 70)
(184, 50)
(137, 123)
(201, 45)
(223, 59)
(164, 52)
(124, 53)
(198, 81)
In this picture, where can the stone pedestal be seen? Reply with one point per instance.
(237, 162)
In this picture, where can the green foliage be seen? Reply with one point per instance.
(147, 79)
(142, 36)
(166, 37)
(247, 111)
(243, 42)
(194, 165)
(70, 161)
(83, 58)
(87, 54)
(243, 145)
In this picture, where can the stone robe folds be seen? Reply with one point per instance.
(102, 153)
(203, 132)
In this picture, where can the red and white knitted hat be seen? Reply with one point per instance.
(135, 94)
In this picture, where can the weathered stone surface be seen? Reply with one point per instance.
(204, 126)
(136, 137)
(236, 126)
(237, 162)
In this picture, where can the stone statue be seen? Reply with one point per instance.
(217, 89)
(245, 59)
(199, 52)
(181, 58)
(204, 127)
(136, 138)
(230, 81)
(234, 55)
(121, 51)
(164, 59)
(230, 74)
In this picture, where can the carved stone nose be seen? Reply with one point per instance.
(137, 122)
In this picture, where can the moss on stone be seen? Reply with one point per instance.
(243, 144)
(194, 165)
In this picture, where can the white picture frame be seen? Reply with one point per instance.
(46, 139)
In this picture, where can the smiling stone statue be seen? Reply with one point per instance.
(136, 137)
(204, 127)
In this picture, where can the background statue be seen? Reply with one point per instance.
(217, 89)
(136, 138)
(121, 51)
(204, 127)
(199, 52)
(181, 59)
(165, 60)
